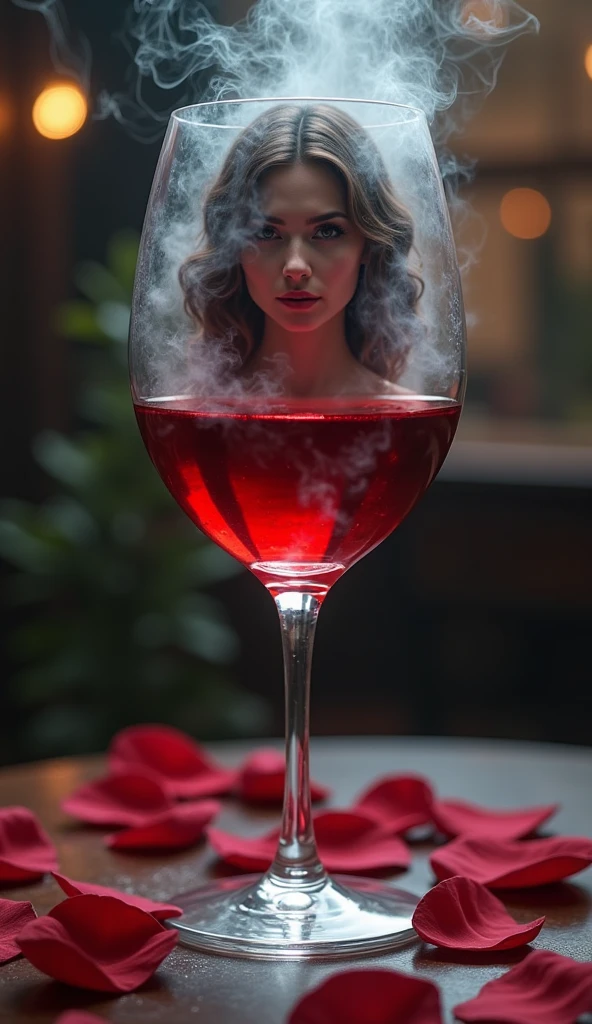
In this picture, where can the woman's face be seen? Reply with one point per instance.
(306, 245)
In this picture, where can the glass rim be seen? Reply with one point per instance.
(418, 115)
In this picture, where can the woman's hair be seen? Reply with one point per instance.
(381, 315)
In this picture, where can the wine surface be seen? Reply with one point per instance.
(304, 491)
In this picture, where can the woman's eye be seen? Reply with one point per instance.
(327, 231)
(266, 233)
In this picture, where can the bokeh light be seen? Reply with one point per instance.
(5, 115)
(525, 213)
(479, 17)
(588, 61)
(59, 111)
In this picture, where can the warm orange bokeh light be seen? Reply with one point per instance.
(525, 213)
(5, 115)
(588, 61)
(59, 111)
(482, 16)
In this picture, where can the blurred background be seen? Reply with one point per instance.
(472, 619)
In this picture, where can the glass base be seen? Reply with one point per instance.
(259, 917)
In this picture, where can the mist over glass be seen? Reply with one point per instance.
(440, 58)
(424, 53)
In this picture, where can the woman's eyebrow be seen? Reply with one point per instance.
(326, 216)
(311, 220)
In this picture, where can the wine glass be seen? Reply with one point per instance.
(297, 370)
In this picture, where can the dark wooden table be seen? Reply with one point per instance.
(217, 990)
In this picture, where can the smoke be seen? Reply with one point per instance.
(439, 56)
(69, 50)
(426, 53)
(442, 56)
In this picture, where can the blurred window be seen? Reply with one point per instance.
(529, 298)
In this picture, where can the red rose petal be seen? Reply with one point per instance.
(97, 942)
(176, 759)
(346, 840)
(254, 853)
(545, 988)
(161, 911)
(513, 865)
(352, 841)
(14, 915)
(79, 1017)
(123, 798)
(400, 801)
(261, 778)
(26, 851)
(370, 997)
(179, 827)
(461, 914)
(457, 817)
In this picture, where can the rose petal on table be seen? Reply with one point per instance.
(178, 762)
(545, 988)
(262, 775)
(161, 911)
(352, 841)
(462, 914)
(369, 997)
(26, 851)
(97, 942)
(79, 1017)
(457, 817)
(346, 840)
(176, 829)
(400, 801)
(122, 798)
(14, 915)
(250, 853)
(512, 865)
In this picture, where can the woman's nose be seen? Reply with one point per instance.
(296, 265)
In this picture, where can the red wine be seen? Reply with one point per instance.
(310, 490)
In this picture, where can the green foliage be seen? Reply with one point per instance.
(110, 579)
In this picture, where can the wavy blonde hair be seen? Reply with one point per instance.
(381, 316)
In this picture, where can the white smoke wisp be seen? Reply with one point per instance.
(70, 51)
(425, 53)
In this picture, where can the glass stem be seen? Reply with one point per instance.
(296, 863)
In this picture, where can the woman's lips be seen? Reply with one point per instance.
(301, 304)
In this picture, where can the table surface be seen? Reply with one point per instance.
(219, 990)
